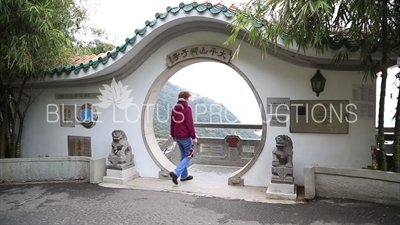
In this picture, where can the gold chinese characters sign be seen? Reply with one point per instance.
(199, 51)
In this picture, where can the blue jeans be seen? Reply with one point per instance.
(184, 145)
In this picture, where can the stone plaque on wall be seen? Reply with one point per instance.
(67, 117)
(77, 96)
(248, 148)
(320, 116)
(278, 121)
(278, 106)
(211, 148)
(79, 146)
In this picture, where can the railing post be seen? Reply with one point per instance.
(166, 144)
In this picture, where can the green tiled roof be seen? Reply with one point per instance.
(214, 9)
(76, 68)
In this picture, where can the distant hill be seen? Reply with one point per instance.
(168, 97)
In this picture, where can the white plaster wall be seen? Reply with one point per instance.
(270, 77)
(41, 137)
(274, 78)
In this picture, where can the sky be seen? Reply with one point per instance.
(120, 18)
(213, 84)
(391, 96)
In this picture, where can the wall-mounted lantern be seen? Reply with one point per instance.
(318, 83)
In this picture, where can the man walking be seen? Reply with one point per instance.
(183, 132)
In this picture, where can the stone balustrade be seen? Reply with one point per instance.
(231, 150)
(65, 168)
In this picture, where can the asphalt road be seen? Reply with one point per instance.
(84, 203)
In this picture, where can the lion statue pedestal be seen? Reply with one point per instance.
(282, 181)
(121, 168)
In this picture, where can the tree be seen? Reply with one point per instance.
(396, 144)
(93, 47)
(35, 36)
(364, 25)
(396, 150)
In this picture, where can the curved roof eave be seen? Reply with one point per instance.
(176, 21)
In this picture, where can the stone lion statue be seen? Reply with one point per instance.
(121, 152)
(120, 145)
(282, 155)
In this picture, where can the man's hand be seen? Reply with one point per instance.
(195, 141)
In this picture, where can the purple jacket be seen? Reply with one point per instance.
(182, 125)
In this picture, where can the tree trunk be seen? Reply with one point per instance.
(19, 138)
(381, 133)
(9, 134)
(375, 163)
(3, 137)
(21, 117)
(396, 144)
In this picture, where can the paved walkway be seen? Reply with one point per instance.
(253, 194)
(209, 181)
(84, 203)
